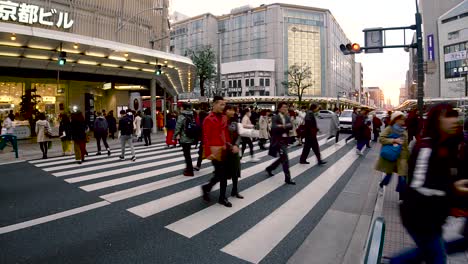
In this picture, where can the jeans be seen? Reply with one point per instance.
(200, 154)
(104, 141)
(44, 146)
(431, 249)
(186, 147)
(147, 135)
(245, 141)
(284, 161)
(361, 143)
(401, 182)
(123, 140)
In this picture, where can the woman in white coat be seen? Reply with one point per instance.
(42, 129)
(335, 125)
(137, 126)
(263, 130)
(246, 123)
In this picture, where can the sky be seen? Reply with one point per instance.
(386, 70)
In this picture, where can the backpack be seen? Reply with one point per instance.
(127, 126)
(100, 125)
(191, 129)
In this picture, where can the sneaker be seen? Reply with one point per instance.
(133, 158)
(121, 158)
(108, 152)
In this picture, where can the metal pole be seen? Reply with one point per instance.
(153, 103)
(420, 61)
(219, 64)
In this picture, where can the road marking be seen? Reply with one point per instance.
(269, 232)
(208, 217)
(52, 217)
(137, 177)
(39, 161)
(116, 153)
(167, 202)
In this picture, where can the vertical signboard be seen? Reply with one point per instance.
(373, 37)
(89, 110)
(430, 47)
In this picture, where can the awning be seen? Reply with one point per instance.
(38, 48)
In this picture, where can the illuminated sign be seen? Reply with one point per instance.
(32, 14)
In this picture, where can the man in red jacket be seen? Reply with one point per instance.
(216, 140)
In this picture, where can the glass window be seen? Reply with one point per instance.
(252, 83)
(246, 82)
(239, 83)
(223, 85)
(235, 83)
(262, 82)
(267, 82)
(230, 84)
(258, 18)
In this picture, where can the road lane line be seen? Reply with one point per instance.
(170, 201)
(52, 217)
(208, 217)
(269, 232)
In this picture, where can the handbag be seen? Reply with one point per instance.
(218, 153)
(247, 132)
(391, 152)
(47, 131)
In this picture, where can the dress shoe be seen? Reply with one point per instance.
(98, 154)
(269, 172)
(225, 202)
(322, 162)
(196, 168)
(304, 162)
(188, 173)
(291, 182)
(206, 193)
(238, 196)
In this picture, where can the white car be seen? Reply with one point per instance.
(325, 114)
(346, 120)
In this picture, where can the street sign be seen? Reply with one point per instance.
(373, 37)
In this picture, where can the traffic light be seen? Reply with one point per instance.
(62, 59)
(350, 48)
(158, 70)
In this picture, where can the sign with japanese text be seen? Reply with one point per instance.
(430, 47)
(454, 56)
(32, 14)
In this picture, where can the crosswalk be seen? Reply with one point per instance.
(158, 169)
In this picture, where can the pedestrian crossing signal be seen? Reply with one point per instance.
(62, 59)
(158, 70)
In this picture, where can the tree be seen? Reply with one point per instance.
(299, 79)
(204, 60)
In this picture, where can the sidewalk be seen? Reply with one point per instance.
(28, 149)
(396, 237)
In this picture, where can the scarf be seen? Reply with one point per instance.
(398, 129)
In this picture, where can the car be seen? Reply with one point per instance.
(346, 120)
(325, 114)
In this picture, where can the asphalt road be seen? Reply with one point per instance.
(110, 211)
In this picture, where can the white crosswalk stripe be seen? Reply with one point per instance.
(155, 162)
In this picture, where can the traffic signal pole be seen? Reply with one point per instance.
(420, 61)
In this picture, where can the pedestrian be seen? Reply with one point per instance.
(182, 130)
(412, 123)
(396, 136)
(233, 166)
(78, 130)
(335, 125)
(160, 121)
(126, 134)
(263, 129)
(216, 138)
(292, 132)
(201, 118)
(7, 126)
(387, 119)
(104, 114)
(281, 124)
(362, 131)
(353, 120)
(43, 132)
(65, 134)
(432, 170)
(101, 130)
(300, 118)
(137, 126)
(147, 125)
(376, 127)
(170, 128)
(247, 124)
(310, 135)
(112, 123)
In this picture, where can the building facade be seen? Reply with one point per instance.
(453, 40)
(283, 34)
(376, 97)
(431, 10)
(403, 95)
(359, 81)
(86, 55)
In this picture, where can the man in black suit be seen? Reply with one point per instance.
(310, 136)
(280, 127)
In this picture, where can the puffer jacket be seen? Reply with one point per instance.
(180, 128)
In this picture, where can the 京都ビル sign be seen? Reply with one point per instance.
(32, 14)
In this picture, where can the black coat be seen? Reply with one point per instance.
(65, 126)
(78, 129)
(112, 123)
(279, 134)
(310, 124)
